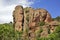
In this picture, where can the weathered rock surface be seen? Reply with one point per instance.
(18, 17)
(30, 19)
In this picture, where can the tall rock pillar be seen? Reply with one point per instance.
(18, 18)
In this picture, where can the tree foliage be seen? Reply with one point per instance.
(57, 18)
(41, 23)
(7, 32)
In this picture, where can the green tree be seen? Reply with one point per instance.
(7, 32)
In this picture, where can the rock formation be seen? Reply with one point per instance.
(30, 19)
(18, 15)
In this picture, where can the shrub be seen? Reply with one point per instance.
(7, 32)
(41, 23)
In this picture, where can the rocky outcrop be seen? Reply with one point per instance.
(29, 21)
(53, 25)
(18, 14)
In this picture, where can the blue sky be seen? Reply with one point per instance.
(53, 6)
(7, 7)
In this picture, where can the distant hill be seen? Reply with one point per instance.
(57, 18)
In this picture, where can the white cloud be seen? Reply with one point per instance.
(7, 7)
(25, 3)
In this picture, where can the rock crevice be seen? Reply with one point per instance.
(29, 18)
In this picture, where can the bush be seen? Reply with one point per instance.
(41, 23)
(57, 30)
(43, 38)
(55, 35)
(7, 32)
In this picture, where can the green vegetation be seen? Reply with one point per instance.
(7, 32)
(41, 23)
(53, 36)
(57, 18)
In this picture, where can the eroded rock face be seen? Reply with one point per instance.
(18, 17)
(43, 14)
(28, 18)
